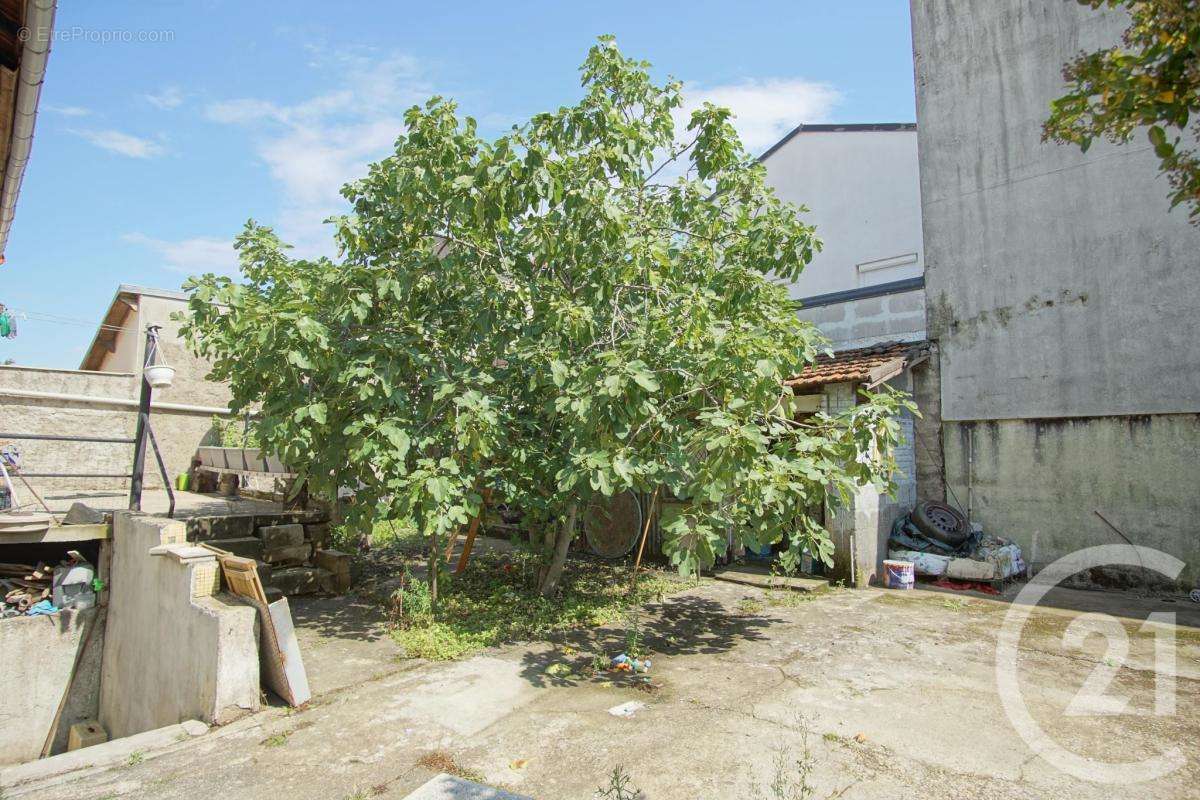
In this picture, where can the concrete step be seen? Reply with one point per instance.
(761, 577)
(448, 787)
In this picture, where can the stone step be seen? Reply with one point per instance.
(448, 787)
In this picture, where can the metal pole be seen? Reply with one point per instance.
(139, 436)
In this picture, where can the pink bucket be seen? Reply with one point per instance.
(898, 574)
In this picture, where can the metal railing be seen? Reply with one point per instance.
(129, 476)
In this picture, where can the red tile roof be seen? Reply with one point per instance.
(860, 365)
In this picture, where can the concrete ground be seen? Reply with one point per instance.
(155, 501)
(898, 693)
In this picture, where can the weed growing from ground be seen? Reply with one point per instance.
(135, 758)
(748, 605)
(618, 787)
(634, 636)
(440, 761)
(790, 773)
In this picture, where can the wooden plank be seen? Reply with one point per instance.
(295, 677)
(59, 534)
(279, 650)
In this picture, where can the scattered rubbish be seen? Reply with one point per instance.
(860, 738)
(518, 763)
(1195, 595)
(42, 607)
(627, 709)
(624, 663)
(72, 585)
(899, 574)
(46, 589)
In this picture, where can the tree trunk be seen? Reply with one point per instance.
(566, 532)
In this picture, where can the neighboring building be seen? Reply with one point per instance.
(865, 292)
(1061, 291)
(100, 399)
(863, 191)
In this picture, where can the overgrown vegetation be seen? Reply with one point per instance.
(232, 432)
(491, 603)
(1152, 78)
(591, 303)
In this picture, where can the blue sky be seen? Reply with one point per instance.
(150, 154)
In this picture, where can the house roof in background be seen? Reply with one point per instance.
(847, 127)
(124, 303)
(873, 364)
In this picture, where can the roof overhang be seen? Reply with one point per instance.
(870, 366)
(26, 31)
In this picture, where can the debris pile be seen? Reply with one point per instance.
(940, 543)
(30, 590)
(24, 586)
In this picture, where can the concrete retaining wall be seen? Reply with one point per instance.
(176, 649)
(1039, 482)
(178, 433)
(36, 658)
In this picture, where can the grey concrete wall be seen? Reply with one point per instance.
(1061, 291)
(36, 658)
(860, 533)
(858, 323)
(179, 433)
(175, 649)
(927, 430)
(1058, 283)
(864, 195)
(860, 529)
(1039, 482)
(67, 418)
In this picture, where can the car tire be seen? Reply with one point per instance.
(941, 522)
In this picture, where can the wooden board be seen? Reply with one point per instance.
(279, 650)
(58, 534)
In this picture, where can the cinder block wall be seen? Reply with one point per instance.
(69, 418)
(179, 433)
(859, 323)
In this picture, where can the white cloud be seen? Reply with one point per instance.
(314, 146)
(191, 256)
(168, 98)
(764, 110)
(67, 111)
(123, 143)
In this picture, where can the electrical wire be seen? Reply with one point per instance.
(58, 319)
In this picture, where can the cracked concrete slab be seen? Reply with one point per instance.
(893, 695)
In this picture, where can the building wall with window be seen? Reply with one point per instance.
(862, 188)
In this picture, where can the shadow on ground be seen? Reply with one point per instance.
(687, 624)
